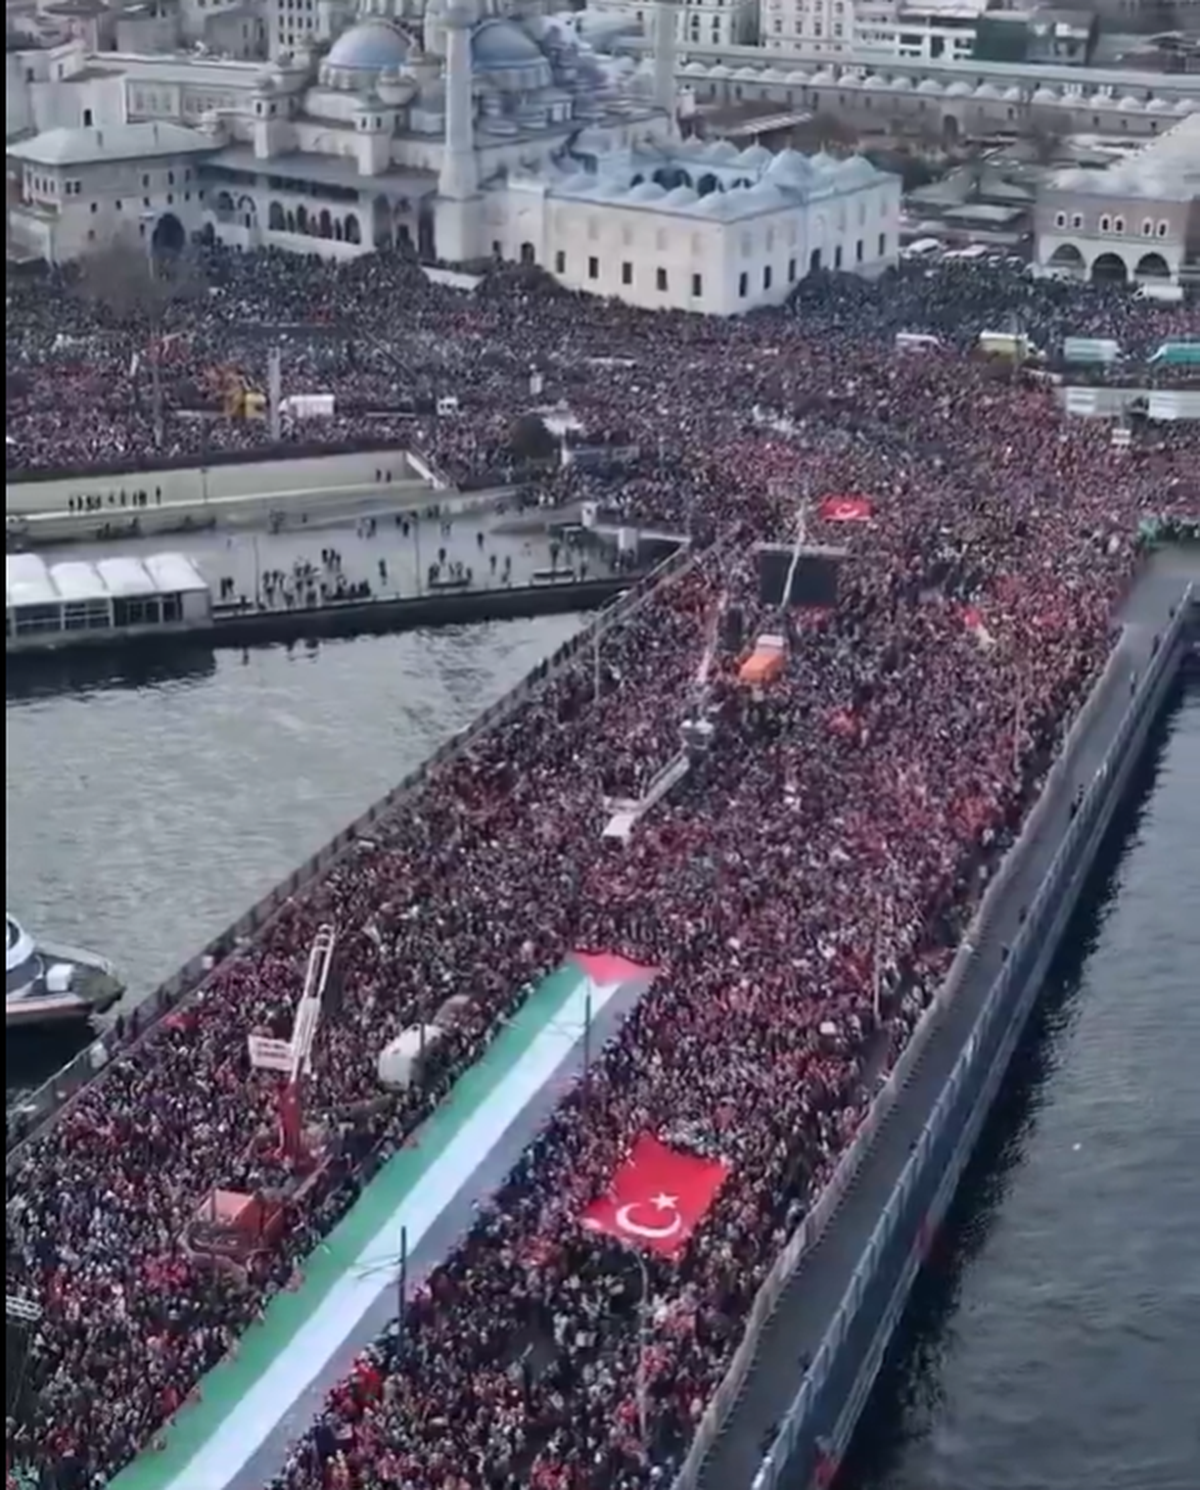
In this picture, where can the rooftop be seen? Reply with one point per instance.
(29, 580)
(718, 181)
(1167, 169)
(80, 147)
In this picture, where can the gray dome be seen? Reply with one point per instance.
(498, 45)
(371, 46)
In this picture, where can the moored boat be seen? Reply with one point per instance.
(47, 983)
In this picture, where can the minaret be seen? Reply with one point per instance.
(459, 177)
(458, 205)
(664, 59)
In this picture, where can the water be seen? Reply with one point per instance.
(1053, 1344)
(148, 808)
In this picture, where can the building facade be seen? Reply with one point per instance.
(466, 135)
(1138, 220)
(83, 190)
(714, 22)
(921, 30)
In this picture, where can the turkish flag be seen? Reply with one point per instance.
(657, 1197)
(846, 510)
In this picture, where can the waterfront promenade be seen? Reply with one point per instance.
(805, 1311)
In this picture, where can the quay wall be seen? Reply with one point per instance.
(211, 488)
(44, 1105)
(377, 616)
(817, 1426)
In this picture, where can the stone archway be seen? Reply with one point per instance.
(950, 128)
(669, 177)
(707, 184)
(223, 207)
(168, 236)
(1152, 266)
(528, 253)
(1066, 259)
(814, 261)
(275, 218)
(353, 230)
(1109, 269)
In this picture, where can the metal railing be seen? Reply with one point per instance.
(817, 1220)
(46, 1103)
(1031, 940)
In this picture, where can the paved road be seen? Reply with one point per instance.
(799, 1324)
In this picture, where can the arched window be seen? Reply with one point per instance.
(1118, 224)
(1105, 223)
(1148, 227)
(1060, 219)
(1163, 229)
(353, 231)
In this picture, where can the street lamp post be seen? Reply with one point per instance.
(641, 1389)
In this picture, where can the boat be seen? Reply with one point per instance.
(47, 983)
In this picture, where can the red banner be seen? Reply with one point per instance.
(657, 1198)
(846, 510)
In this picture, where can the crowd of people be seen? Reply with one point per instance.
(849, 810)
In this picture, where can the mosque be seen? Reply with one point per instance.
(470, 129)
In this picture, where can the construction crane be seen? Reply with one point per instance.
(292, 1058)
(697, 729)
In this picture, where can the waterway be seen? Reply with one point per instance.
(1052, 1344)
(147, 808)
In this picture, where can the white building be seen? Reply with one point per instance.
(917, 30)
(466, 134)
(713, 22)
(83, 189)
(1137, 220)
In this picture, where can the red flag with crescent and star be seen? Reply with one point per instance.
(846, 509)
(657, 1198)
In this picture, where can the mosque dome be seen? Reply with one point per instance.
(371, 46)
(502, 44)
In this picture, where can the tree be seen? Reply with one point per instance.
(531, 440)
(139, 292)
(130, 285)
(826, 131)
(1044, 133)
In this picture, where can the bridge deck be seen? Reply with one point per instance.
(807, 1307)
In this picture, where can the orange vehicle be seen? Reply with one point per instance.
(765, 662)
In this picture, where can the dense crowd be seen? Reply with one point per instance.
(857, 803)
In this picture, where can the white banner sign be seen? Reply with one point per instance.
(271, 1055)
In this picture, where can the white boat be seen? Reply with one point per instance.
(46, 983)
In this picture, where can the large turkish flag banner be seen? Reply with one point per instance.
(657, 1198)
(846, 510)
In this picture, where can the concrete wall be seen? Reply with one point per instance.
(258, 481)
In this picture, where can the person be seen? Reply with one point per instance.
(879, 770)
